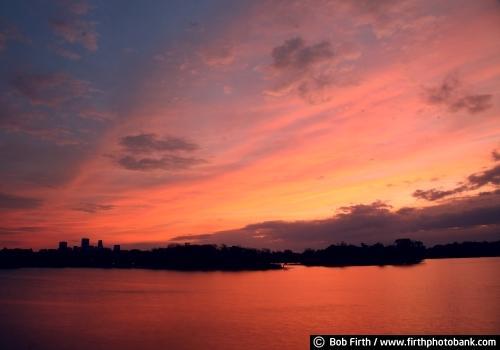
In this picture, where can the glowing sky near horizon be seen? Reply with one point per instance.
(137, 122)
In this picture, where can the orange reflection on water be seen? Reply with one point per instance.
(131, 309)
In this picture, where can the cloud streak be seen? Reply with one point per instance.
(450, 94)
(218, 55)
(20, 230)
(150, 152)
(308, 69)
(49, 89)
(473, 182)
(10, 201)
(72, 28)
(148, 143)
(295, 55)
(167, 162)
(76, 31)
(93, 208)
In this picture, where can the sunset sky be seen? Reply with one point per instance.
(279, 124)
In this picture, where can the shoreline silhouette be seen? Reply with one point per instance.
(192, 257)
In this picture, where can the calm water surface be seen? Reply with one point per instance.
(143, 309)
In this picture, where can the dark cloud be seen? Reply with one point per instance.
(49, 89)
(309, 69)
(295, 54)
(163, 153)
(472, 103)
(490, 176)
(473, 218)
(10, 201)
(444, 92)
(167, 162)
(449, 93)
(473, 182)
(435, 194)
(20, 229)
(148, 143)
(495, 155)
(93, 208)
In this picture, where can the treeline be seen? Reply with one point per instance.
(464, 250)
(212, 257)
(402, 252)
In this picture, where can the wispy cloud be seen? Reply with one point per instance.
(220, 54)
(308, 69)
(167, 162)
(93, 208)
(434, 194)
(76, 31)
(295, 55)
(474, 181)
(73, 28)
(162, 153)
(66, 53)
(451, 95)
(4, 230)
(49, 89)
(147, 143)
(11, 201)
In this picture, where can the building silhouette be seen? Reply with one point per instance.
(85, 244)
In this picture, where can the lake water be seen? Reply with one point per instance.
(144, 309)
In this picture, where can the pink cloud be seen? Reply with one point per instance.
(50, 89)
(77, 31)
(218, 55)
(71, 55)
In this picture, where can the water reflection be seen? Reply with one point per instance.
(132, 309)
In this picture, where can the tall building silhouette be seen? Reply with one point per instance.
(100, 245)
(85, 243)
(63, 245)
